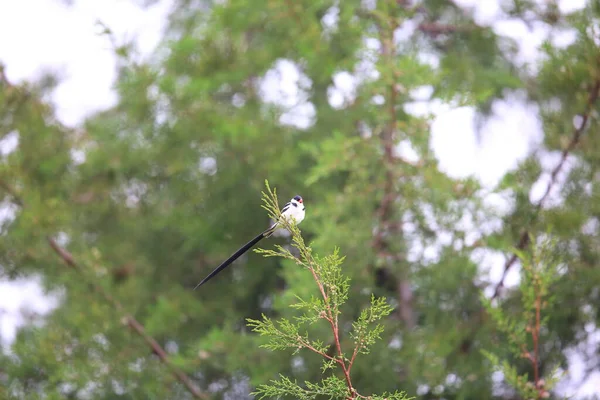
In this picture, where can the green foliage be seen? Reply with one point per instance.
(330, 387)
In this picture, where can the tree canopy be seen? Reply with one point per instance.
(122, 216)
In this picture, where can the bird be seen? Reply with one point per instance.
(292, 211)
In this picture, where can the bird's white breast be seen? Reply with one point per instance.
(295, 211)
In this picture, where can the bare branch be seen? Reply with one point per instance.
(435, 28)
(321, 353)
(133, 324)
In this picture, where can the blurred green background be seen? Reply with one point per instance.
(336, 101)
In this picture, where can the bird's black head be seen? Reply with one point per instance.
(298, 199)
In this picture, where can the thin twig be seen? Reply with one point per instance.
(133, 324)
(354, 354)
(313, 349)
(12, 192)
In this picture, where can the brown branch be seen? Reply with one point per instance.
(354, 354)
(535, 334)
(435, 28)
(575, 138)
(314, 350)
(333, 322)
(9, 189)
(384, 212)
(357, 347)
(133, 324)
(534, 328)
(342, 362)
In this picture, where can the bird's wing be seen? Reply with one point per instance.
(286, 207)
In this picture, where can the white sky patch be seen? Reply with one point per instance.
(9, 143)
(343, 91)
(498, 388)
(578, 357)
(66, 39)
(485, 12)
(422, 93)
(529, 38)
(301, 116)
(404, 32)
(501, 203)
(563, 38)
(365, 69)
(569, 6)
(21, 298)
(454, 143)
(134, 192)
(422, 390)
(8, 211)
(78, 156)
(286, 86)
(407, 152)
(591, 226)
(329, 21)
(509, 137)
(208, 165)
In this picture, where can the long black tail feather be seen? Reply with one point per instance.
(237, 254)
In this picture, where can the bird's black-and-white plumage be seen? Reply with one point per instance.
(293, 211)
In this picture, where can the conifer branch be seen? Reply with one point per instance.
(134, 324)
(575, 138)
(540, 271)
(333, 288)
